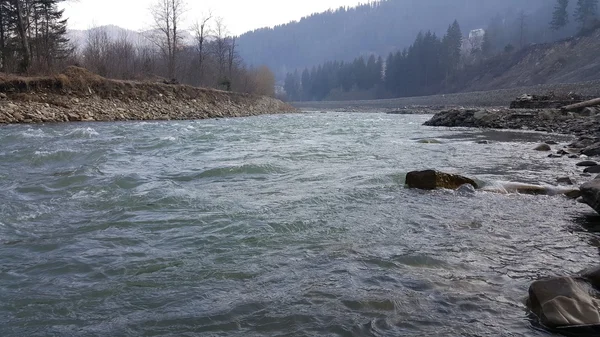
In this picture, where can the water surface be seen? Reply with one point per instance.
(289, 225)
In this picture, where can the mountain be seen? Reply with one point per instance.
(375, 28)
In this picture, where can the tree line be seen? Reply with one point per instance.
(419, 69)
(33, 40)
(32, 35)
(585, 14)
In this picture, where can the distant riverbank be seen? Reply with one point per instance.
(501, 97)
(78, 95)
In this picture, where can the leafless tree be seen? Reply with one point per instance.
(231, 55)
(221, 46)
(167, 15)
(201, 30)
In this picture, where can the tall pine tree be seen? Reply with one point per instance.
(451, 48)
(586, 13)
(560, 17)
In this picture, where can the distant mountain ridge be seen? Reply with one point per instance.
(376, 28)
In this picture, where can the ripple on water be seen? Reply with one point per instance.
(274, 225)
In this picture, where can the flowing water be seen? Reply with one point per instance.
(287, 225)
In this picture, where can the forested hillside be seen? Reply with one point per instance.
(499, 56)
(380, 28)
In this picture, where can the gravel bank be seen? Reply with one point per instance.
(77, 95)
(494, 98)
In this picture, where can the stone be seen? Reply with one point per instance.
(429, 141)
(431, 180)
(567, 302)
(590, 192)
(592, 169)
(592, 150)
(587, 163)
(551, 142)
(552, 155)
(574, 156)
(565, 181)
(543, 147)
(562, 152)
(483, 142)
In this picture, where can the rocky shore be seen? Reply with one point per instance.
(78, 95)
(545, 120)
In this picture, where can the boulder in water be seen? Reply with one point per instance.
(592, 150)
(592, 169)
(543, 147)
(429, 141)
(568, 303)
(590, 192)
(431, 180)
(587, 163)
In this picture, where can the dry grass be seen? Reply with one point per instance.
(79, 82)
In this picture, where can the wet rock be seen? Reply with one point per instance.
(552, 155)
(587, 163)
(592, 169)
(429, 141)
(565, 181)
(590, 192)
(543, 147)
(551, 142)
(574, 156)
(483, 142)
(592, 150)
(567, 302)
(431, 180)
(583, 142)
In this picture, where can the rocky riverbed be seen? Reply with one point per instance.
(77, 95)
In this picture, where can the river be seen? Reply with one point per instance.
(288, 225)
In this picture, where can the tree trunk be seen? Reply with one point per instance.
(26, 61)
(2, 42)
(582, 105)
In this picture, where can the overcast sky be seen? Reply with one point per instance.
(240, 15)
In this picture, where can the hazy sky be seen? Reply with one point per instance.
(240, 15)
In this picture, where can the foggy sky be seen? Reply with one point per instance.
(240, 15)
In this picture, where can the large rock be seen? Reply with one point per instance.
(592, 169)
(592, 150)
(568, 302)
(431, 180)
(587, 163)
(543, 147)
(590, 192)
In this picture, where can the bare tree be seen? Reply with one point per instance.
(201, 30)
(23, 35)
(231, 55)
(221, 47)
(167, 15)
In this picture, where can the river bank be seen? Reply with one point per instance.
(78, 95)
(492, 98)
